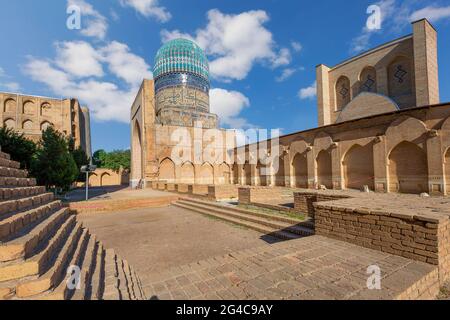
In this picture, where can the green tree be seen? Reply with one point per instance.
(53, 165)
(80, 157)
(20, 148)
(113, 160)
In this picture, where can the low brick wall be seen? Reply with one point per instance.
(162, 186)
(303, 201)
(221, 192)
(155, 185)
(171, 187)
(248, 195)
(182, 188)
(422, 238)
(199, 189)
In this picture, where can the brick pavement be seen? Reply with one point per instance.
(309, 268)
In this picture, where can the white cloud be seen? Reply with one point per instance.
(124, 64)
(6, 84)
(308, 92)
(106, 100)
(148, 8)
(93, 24)
(79, 59)
(286, 74)
(296, 46)
(235, 43)
(432, 13)
(228, 105)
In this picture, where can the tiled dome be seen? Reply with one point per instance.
(181, 55)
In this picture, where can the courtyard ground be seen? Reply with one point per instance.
(154, 240)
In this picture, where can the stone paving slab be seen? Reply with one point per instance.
(309, 268)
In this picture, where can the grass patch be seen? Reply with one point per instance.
(292, 215)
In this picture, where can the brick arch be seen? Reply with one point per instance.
(9, 105)
(45, 108)
(106, 179)
(94, 180)
(400, 80)
(406, 128)
(280, 172)
(368, 80)
(9, 123)
(324, 169)
(358, 167)
(45, 125)
(167, 170)
(136, 156)
(206, 174)
(27, 124)
(187, 173)
(408, 168)
(322, 141)
(28, 107)
(343, 92)
(447, 169)
(224, 174)
(299, 166)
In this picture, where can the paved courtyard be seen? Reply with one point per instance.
(183, 255)
(156, 239)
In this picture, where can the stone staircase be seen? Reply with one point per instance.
(42, 245)
(277, 225)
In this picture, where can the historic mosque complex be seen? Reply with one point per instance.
(380, 123)
(368, 188)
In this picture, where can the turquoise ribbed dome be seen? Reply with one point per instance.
(181, 55)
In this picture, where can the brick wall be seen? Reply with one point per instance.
(182, 188)
(199, 189)
(221, 192)
(421, 238)
(162, 185)
(249, 195)
(171, 187)
(303, 201)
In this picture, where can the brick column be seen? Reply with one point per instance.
(435, 169)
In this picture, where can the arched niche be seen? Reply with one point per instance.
(342, 92)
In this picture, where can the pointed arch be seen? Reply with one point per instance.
(408, 168)
(300, 170)
(358, 167)
(206, 174)
(136, 155)
(167, 170)
(187, 173)
(224, 174)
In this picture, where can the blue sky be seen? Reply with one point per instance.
(263, 53)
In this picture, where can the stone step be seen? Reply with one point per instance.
(96, 285)
(17, 182)
(124, 285)
(269, 216)
(59, 276)
(87, 269)
(24, 246)
(9, 163)
(18, 205)
(70, 254)
(21, 192)
(251, 225)
(12, 172)
(277, 225)
(111, 279)
(19, 221)
(36, 265)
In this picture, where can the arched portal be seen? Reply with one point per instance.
(224, 174)
(106, 180)
(94, 180)
(358, 167)
(324, 169)
(447, 170)
(206, 175)
(137, 172)
(280, 174)
(167, 170)
(187, 173)
(408, 169)
(300, 170)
